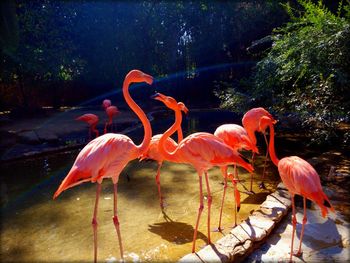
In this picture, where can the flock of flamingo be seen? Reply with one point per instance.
(92, 119)
(107, 155)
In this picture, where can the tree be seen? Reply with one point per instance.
(305, 73)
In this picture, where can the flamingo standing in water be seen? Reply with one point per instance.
(111, 112)
(237, 138)
(154, 154)
(202, 150)
(107, 155)
(250, 121)
(92, 120)
(300, 178)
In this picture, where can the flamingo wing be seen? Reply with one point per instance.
(103, 157)
(301, 178)
(205, 150)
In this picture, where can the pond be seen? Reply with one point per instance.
(36, 228)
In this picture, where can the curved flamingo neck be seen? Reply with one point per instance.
(171, 156)
(142, 116)
(180, 135)
(272, 152)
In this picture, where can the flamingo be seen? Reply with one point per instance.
(250, 123)
(154, 154)
(300, 178)
(107, 155)
(202, 150)
(92, 120)
(237, 138)
(106, 103)
(111, 112)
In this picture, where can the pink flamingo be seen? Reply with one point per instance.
(107, 155)
(250, 123)
(153, 152)
(111, 112)
(237, 138)
(106, 103)
(300, 178)
(202, 150)
(92, 120)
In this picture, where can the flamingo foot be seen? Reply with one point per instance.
(163, 204)
(298, 253)
(262, 186)
(218, 229)
(234, 225)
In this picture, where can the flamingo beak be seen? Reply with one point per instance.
(185, 110)
(158, 96)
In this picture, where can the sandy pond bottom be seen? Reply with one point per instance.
(36, 228)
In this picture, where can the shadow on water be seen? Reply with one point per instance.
(175, 232)
(257, 198)
(36, 227)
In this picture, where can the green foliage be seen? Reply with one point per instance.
(306, 72)
(233, 100)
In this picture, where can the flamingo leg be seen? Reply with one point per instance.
(251, 174)
(237, 206)
(262, 185)
(294, 223)
(94, 220)
(105, 129)
(200, 209)
(222, 200)
(158, 185)
(299, 253)
(116, 221)
(209, 204)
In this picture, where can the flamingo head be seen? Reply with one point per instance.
(265, 122)
(170, 102)
(182, 107)
(137, 76)
(106, 104)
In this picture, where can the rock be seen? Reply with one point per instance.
(211, 253)
(272, 214)
(190, 258)
(240, 234)
(255, 233)
(261, 222)
(281, 186)
(272, 203)
(28, 137)
(47, 136)
(283, 197)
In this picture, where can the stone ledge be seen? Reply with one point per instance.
(249, 234)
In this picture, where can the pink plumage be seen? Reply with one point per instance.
(251, 120)
(107, 155)
(201, 150)
(235, 136)
(300, 178)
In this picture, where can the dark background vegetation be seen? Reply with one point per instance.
(62, 53)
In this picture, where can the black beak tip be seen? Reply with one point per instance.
(238, 207)
(154, 96)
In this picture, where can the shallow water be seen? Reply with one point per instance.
(36, 228)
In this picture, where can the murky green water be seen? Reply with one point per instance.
(36, 228)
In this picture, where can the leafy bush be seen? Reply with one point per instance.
(306, 72)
